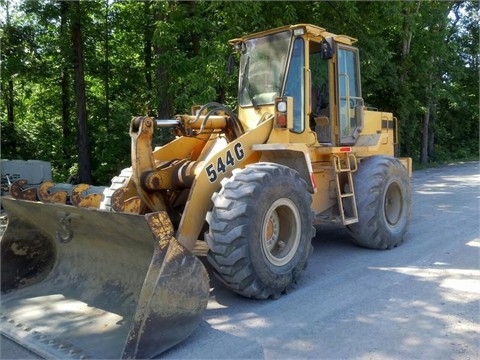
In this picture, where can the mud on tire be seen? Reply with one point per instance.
(383, 196)
(260, 230)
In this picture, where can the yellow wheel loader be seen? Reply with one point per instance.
(116, 273)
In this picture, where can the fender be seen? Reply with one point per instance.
(293, 155)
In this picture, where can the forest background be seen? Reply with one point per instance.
(73, 73)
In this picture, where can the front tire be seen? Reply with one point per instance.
(384, 201)
(260, 230)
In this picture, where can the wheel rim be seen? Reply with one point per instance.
(393, 204)
(281, 232)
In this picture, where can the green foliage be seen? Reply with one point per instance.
(161, 57)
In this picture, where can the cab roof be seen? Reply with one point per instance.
(312, 31)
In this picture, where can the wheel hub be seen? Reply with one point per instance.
(281, 232)
(272, 230)
(393, 204)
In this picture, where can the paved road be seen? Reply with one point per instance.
(418, 301)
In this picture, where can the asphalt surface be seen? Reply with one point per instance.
(418, 301)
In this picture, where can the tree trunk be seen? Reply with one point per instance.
(165, 102)
(426, 122)
(10, 100)
(407, 40)
(147, 47)
(431, 132)
(10, 141)
(404, 110)
(107, 68)
(65, 82)
(80, 97)
(425, 128)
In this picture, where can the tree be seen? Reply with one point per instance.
(85, 172)
(65, 79)
(120, 58)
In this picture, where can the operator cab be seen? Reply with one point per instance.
(317, 70)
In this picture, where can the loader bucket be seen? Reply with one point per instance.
(83, 283)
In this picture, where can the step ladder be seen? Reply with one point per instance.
(342, 164)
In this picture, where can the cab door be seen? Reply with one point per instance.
(349, 94)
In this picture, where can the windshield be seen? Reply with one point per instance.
(261, 69)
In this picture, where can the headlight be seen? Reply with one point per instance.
(282, 106)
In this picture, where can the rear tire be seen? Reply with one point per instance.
(384, 201)
(260, 230)
(120, 181)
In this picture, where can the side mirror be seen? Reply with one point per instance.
(326, 50)
(231, 64)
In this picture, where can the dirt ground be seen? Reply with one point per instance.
(418, 301)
